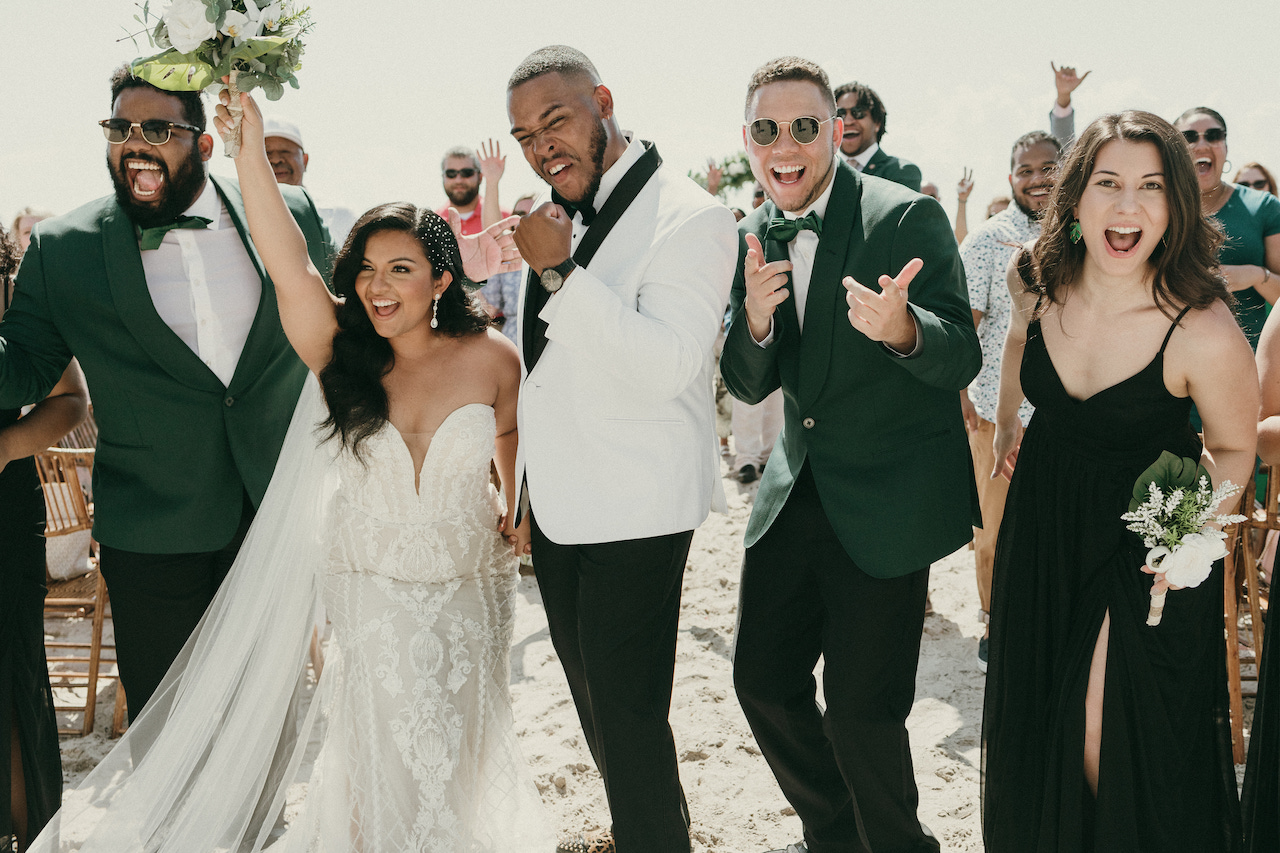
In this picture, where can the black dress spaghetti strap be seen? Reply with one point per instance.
(1065, 559)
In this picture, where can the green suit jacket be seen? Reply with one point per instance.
(177, 449)
(883, 435)
(894, 169)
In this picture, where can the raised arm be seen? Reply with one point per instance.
(1008, 424)
(306, 306)
(492, 165)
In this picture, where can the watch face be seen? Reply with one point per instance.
(552, 280)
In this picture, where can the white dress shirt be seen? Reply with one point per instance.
(204, 285)
(860, 161)
(608, 182)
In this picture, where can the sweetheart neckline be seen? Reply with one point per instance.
(417, 470)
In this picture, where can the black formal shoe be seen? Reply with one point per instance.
(747, 474)
(598, 841)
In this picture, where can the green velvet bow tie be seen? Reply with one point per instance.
(151, 238)
(785, 230)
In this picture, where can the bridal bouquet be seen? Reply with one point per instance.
(1173, 510)
(254, 44)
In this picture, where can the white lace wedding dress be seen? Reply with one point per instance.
(419, 753)
(413, 713)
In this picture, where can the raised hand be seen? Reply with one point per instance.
(714, 176)
(965, 185)
(489, 252)
(492, 163)
(1066, 81)
(765, 290)
(251, 124)
(884, 316)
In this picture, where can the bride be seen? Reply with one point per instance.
(394, 523)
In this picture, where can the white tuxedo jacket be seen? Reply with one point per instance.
(617, 425)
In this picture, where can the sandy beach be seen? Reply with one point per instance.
(733, 800)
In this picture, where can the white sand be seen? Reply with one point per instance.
(734, 802)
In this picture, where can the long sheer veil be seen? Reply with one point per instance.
(202, 767)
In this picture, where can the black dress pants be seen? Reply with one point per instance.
(612, 610)
(846, 771)
(156, 602)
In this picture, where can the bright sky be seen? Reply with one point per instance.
(388, 85)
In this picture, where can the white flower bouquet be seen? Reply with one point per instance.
(1173, 510)
(254, 44)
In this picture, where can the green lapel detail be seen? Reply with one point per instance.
(825, 304)
(877, 162)
(260, 346)
(128, 284)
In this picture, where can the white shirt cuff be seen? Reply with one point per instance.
(915, 350)
(1062, 112)
(768, 339)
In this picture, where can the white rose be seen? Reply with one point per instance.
(1190, 563)
(187, 24)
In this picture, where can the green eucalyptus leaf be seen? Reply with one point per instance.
(272, 89)
(174, 72)
(1169, 472)
(256, 47)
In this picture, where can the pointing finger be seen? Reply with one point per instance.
(908, 273)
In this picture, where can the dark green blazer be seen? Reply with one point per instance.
(883, 434)
(176, 448)
(894, 169)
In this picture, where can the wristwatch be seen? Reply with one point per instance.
(553, 277)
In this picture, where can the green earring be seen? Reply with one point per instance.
(1074, 232)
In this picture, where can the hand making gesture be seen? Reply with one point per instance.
(884, 316)
(765, 290)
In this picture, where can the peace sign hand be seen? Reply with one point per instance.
(884, 316)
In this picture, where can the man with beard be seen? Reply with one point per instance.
(629, 271)
(986, 252)
(865, 121)
(849, 296)
(461, 172)
(159, 294)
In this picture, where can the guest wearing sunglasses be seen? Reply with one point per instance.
(156, 292)
(1256, 176)
(850, 297)
(1250, 257)
(865, 121)
(462, 171)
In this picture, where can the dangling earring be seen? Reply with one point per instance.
(1075, 232)
(435, 311)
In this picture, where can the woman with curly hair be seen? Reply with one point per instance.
(1100, 732)
(30, 765)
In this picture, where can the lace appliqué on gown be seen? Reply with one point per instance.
(419, 752)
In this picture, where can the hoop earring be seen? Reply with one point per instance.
(1075, 232)
(435, 311)
(1226, 166)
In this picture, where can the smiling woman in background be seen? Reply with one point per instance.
(1250, 256)
(1257, 176)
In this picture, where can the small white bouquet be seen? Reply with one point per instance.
(1173, 510)
(254, 44)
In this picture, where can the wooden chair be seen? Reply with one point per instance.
(69, 512)
(1242, 580)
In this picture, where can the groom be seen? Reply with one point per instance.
(629, 272)
(161, 296)
(849, 296)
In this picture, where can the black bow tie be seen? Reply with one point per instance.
(584, 207)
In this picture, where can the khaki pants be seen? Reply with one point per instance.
(991, 497)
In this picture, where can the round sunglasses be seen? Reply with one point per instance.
(155, 131)
(805, 130)
(1212, 135)
(1260, 184)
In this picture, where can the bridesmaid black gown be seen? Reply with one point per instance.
(25, 697)
(1064, 559)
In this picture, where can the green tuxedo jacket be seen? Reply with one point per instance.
(883, 435)
(894, 169)
(177, 449)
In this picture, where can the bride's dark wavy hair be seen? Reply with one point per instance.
(1185, 261)
(352, 380)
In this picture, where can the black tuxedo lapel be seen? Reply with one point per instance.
(128, 284)
(876, 163)
(825, 303)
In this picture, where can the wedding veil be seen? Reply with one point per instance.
(206, 764)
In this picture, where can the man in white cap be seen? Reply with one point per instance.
(289, 160)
